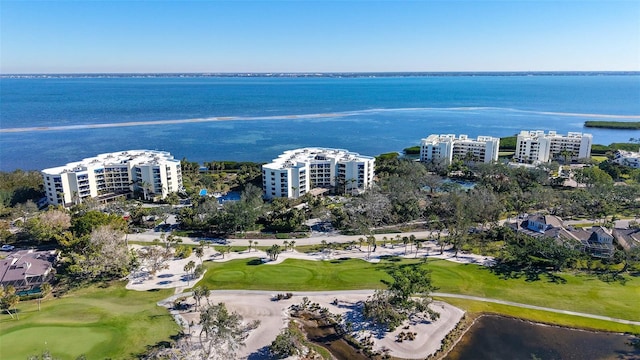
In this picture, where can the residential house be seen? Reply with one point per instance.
(27, 269)
(597, 241)
(627, 238)
(542, 223)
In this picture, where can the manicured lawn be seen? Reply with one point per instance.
(116, 323)
(97, 322)
(580, 293)
(295, 275)
(477, 307)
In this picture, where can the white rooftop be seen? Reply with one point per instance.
(291, 158)
(138, 157)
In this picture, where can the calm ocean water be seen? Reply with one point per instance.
(50, 121)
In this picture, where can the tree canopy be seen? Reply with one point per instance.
(407, 296)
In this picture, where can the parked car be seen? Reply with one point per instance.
(7, 247)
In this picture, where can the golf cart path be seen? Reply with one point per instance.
(534, 307)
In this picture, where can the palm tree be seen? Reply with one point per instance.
(188, 268)
(360, 241)
(405, 241)
(200, 252)
(172, 239)
(250, 242)
(145, 188)
(371, 242)
(418, 246)
(384, 241)
(285, 244)
(412, 239)
(292, 244)
(255, 245)
(274, 251)
(566, 155)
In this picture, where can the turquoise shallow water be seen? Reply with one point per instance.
(50, 121)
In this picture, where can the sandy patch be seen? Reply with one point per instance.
(274, 316)
(173, 276)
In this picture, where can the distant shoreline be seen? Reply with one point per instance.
(320, 74)
(617, 125)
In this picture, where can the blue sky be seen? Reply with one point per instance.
(310, 36)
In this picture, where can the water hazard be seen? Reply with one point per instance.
(495, 338)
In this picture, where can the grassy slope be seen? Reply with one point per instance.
(580, 293)
(97, 322)
(478, 307)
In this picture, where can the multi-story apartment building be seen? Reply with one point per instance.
(296, 172)
(444, 148)
(154, 173)
(537, 147)
(627, 158)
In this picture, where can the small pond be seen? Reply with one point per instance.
(496, 337)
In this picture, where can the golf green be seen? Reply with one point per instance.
(98, 321)
(65, 342)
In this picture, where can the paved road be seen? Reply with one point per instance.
(317, 237)
(533, 307)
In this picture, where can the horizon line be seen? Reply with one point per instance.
(323, 73)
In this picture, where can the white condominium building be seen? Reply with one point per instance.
(444, 148)
(536, 146)
(296, 172)
(627, 158)
(154, 173)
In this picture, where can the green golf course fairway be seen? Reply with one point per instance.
(109, 322)
(112, 322)
(575, 292)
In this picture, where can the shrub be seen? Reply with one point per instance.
(284, 345)
(183, 251)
